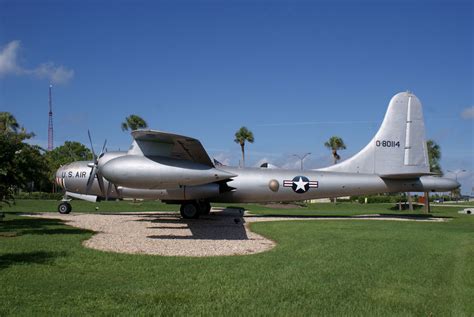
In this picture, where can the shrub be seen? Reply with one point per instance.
(39, 195)
(378, 199)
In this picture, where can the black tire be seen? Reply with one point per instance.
(64, 208)
(204, 208)
(190, 210)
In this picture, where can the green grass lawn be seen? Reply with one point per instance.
(32, 205)
(319, 209)
(318, 268)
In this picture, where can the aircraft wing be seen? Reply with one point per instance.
(158, 143)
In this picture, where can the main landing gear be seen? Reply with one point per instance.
(193, 209)
(64, 208)
(189, 209)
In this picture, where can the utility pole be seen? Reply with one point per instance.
(456, 177)
(50, 123)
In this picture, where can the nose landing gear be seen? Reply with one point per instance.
(64, 207)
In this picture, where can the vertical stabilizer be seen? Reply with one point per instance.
(398, 149)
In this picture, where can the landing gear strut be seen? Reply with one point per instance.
(193, 209)
(204, 208)
(64, 208)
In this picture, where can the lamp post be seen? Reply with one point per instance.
(301, 157)
(456, 177)
(456, 173)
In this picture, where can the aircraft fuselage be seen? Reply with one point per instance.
(258, 185)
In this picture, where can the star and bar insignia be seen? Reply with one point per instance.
(300, 184)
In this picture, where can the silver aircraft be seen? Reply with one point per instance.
(177, 170)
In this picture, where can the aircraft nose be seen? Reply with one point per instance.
(59, 177)
(73, 176)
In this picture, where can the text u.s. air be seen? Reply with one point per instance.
(177, 170)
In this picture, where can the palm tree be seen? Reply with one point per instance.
(335, 143)
(8, 123)
(434, 155)
(242, 135)
(133, 122)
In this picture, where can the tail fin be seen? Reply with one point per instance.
(398, 149)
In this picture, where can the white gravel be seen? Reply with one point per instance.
(223, 232)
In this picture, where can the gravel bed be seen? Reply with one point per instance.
(223, 232)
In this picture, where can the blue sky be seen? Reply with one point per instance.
(294, 72)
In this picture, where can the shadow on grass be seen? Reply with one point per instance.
(414, 216)
(34, 226)
(38, 257)
(54, 231)
(28, 223)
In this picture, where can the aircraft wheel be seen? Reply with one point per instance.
(190, 210)
(64, 208)
(204, 208)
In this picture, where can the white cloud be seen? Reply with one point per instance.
(56, 74)
(8, 59)
(291, 163)
(223, 158)
(468, 113)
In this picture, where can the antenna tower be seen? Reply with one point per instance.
(50, 123)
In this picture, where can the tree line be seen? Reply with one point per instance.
(28, 167)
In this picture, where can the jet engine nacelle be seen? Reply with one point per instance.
(156, 172)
